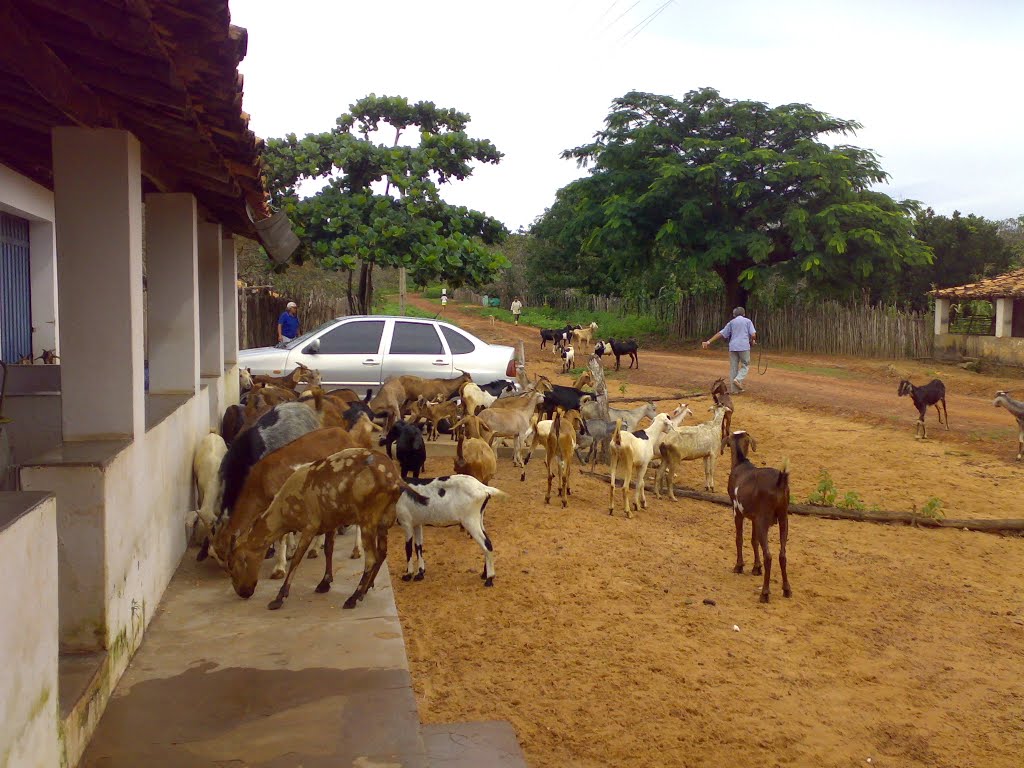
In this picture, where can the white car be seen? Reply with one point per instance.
(362, 351)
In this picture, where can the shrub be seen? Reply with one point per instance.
(826, 493)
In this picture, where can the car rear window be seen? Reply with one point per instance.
(358, 338)
(415, 339)
(457, 343)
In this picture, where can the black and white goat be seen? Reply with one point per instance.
(1015, 407)
(932, 393)
(762, 495)
(619, 348)
(445, 501)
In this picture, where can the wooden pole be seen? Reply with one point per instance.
(600, 386)
(862, 515)
(401, 289)
(521, 364)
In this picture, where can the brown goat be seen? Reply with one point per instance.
(352, 487)
(475, 457)
(762, 495)
(558, 450)
(301, 374)
(720, 392)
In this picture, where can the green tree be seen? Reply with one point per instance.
(733, 187)
(379, 204)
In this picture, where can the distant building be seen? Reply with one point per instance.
(1005, 342)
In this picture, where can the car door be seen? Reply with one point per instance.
(347, 355)
(417, 349)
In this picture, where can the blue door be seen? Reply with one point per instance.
(15, 290)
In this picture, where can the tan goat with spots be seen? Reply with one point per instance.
(352, 487)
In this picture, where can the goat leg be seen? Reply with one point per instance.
(375, 544)
(422, 570)
(761, 525)
(754, 542)
(783, 536)
(739, 539)
(325, 582)
(300, 549)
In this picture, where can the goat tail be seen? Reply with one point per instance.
(318, 399)
(416, 496)
(617, 437)
(783, 480)
(458, 450)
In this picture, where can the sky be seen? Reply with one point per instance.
(935, 84)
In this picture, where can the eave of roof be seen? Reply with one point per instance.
(166, 70)
(1007, 286)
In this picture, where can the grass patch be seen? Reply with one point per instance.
(389, 305)
(818, 370)
(608, 323)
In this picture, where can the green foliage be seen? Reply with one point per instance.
(965, 248)
(933, 509)
(826, 493)
(852, 500)
(432, 292)
(609, 324)
(380, 204)
(389, 305)
(737, 188)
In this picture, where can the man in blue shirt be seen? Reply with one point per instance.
(288, 323)
(740, 333)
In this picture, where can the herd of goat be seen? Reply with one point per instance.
(289, 468)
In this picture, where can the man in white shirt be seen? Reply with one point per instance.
(741, 334)
(517, 310)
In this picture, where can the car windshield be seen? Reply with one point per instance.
(308, 334)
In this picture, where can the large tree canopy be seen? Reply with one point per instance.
(380, 203)
(736, 187)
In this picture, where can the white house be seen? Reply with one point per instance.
(124, 153)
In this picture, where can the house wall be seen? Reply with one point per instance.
(29, 712)
(1004, 350)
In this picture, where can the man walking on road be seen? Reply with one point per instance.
(740, 333)
(517, 310)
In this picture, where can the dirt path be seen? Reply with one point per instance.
(851, 388)
(902, 645)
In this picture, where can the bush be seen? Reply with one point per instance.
(826, 493)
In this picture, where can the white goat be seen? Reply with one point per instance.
(568, 359)
(450, 500)
(475, 399)
(205, 468)
(703, 441)
(634, 452)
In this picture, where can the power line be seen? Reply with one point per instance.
(645, 22)
(617, 18)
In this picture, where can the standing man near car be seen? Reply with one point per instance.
(517, 310)
(740, 333)
(288, 323)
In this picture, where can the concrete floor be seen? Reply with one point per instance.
(221, 681)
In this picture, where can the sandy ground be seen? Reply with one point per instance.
(901, 645)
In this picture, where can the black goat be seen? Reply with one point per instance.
(619, 348)
(566, 398)
(932, 393)
(498, 386)
(556, 335)
(409, 446)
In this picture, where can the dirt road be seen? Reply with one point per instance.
(615, 642)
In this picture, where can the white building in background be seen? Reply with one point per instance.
(123, 150)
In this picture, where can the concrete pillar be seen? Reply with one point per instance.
(1004, 318)
(172, 266)
(941, 316)
(97, 188)
(229, 285)
(42, 239)
(211, 297)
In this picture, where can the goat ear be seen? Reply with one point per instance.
(753, 443)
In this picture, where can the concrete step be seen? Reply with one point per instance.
(491, 744)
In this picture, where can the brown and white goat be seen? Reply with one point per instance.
(299, 375)
(762, 495)
(721, 395)
(352, 487)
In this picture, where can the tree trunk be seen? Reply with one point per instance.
(365, 299)
(351, 296)
(735, 294)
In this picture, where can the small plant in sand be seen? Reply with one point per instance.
(623, 388)
(826, 493)
(852, 500)
(932, 509)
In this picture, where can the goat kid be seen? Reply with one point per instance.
(932, 393)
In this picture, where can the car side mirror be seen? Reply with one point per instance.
(313, 347)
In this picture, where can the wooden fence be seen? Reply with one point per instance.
(823, 328)
(259, 308)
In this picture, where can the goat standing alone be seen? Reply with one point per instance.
(932, 393)
(1016, 407)
(761, 494)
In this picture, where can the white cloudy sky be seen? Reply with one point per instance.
(935, 84)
